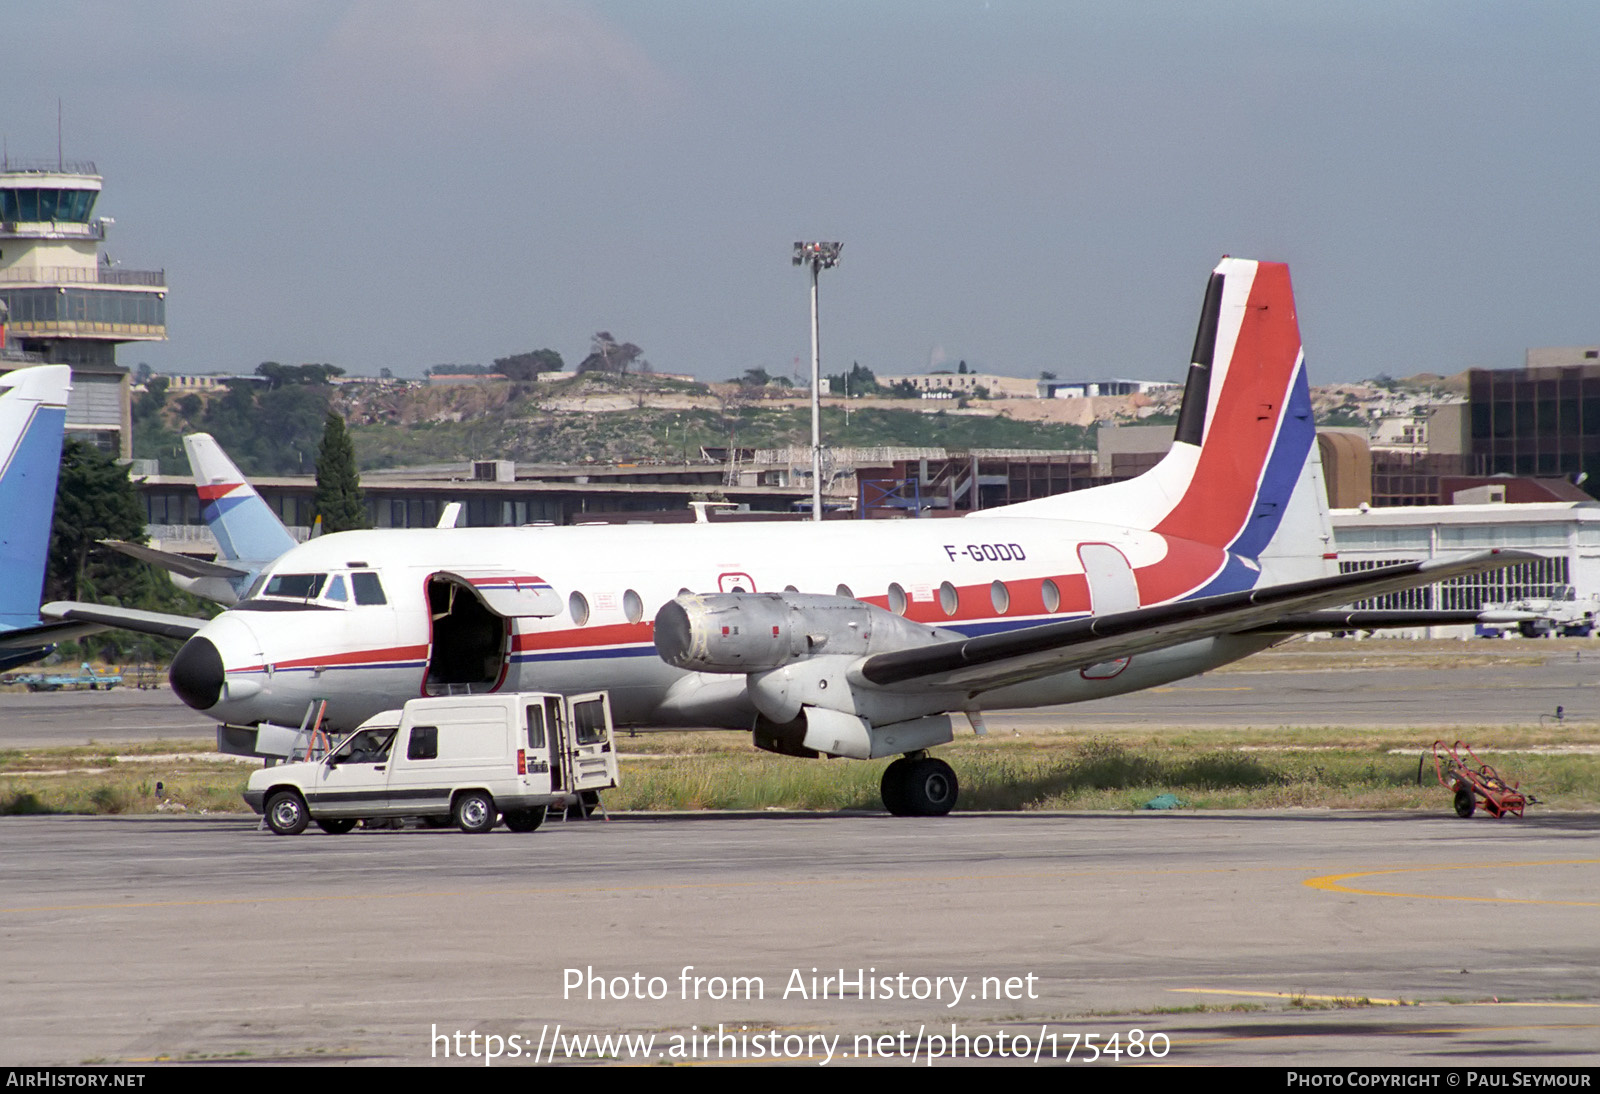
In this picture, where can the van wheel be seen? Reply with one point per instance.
(475, 812)
(287, 814)
(337, 827)
(525, 820)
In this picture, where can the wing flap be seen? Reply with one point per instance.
(995, 660)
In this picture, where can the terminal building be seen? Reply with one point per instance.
(63, 302)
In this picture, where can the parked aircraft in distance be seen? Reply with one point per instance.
(33, 417)
(249, 535)
(849, 638)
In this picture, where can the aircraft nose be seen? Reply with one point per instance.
(197, 675)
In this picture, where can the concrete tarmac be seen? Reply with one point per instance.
(160, 938)
(1339, 686)
(1241, 938)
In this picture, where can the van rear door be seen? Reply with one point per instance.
(591, 754)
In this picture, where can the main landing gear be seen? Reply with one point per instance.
(917, 785)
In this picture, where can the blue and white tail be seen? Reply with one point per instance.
(246, 528)
(33, 417)
(1243, 474)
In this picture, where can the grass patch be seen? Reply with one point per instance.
(1332, 768)
(1340, 1002)
(97, 781)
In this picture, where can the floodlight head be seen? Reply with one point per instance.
(823, 256)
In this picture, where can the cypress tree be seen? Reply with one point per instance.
(338, 499)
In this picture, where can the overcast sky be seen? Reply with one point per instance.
(1024, 186)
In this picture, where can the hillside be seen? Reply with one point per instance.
(601, 419)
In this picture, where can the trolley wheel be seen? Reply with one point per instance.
(1466, 803)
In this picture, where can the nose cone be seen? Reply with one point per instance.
(196, 674)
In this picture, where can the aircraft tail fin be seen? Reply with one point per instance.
(1243, 473)
(33, 418)
(245, 526)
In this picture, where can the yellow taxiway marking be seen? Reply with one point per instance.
(1334, 883)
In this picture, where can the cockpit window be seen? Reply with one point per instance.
(295, 586)
(336, 589)
(369, 590)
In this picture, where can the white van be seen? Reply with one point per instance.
(468, 758)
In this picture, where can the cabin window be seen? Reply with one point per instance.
(949, 599)
(897, 598)
(632, 606)
(1000, 597)
(1052, 595)
(578, 605)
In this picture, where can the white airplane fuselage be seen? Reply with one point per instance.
(279, 655)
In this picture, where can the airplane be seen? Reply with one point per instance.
(249, 535)
(33, 419)
(841, 639)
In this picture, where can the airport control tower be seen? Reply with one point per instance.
(63, 302)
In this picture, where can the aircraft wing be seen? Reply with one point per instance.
(101, 616)
(46, 634)
(178, 564)
(996, 660)
(1317, 622)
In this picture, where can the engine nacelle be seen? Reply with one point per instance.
(755, 632)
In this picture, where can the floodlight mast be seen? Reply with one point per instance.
(819, 257)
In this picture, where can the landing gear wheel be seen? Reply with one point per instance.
(287, 814)
(337, 827)
(475, 812)
(893, 787)
(1466, 804)
(525, 820)
(920, 787)
(931, 788)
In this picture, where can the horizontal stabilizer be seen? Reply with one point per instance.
(127, 619)
(186, 565)
(995, 660)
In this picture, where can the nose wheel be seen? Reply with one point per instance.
(918, 785)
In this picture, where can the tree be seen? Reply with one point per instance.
(338, 499)
(278, 376)
(527, 366)
(858, 381)
(606, 354)
(94, 500)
